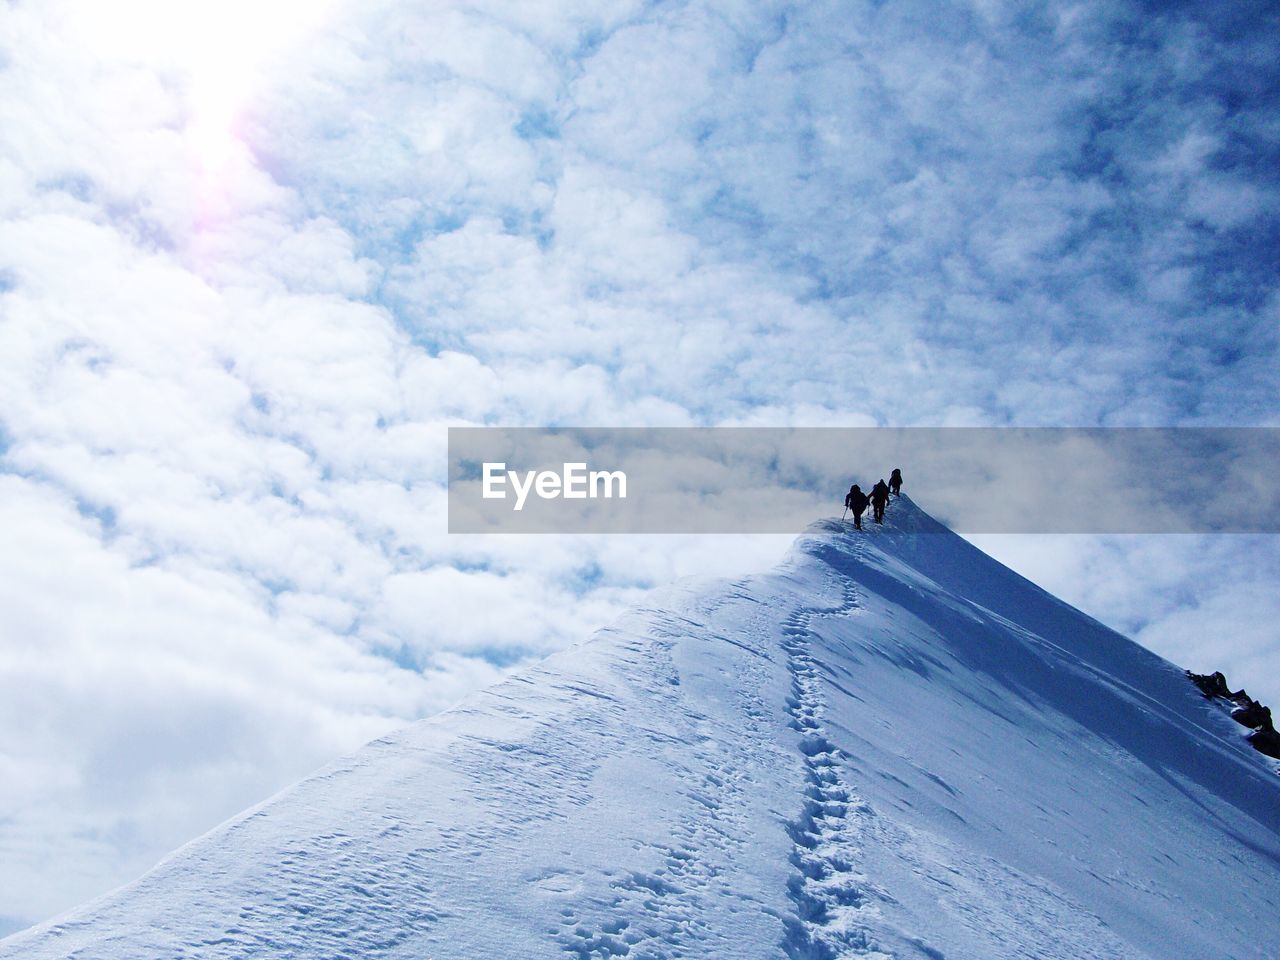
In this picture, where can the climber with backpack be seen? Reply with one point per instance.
(895, 482)
(856, 501)
(879, 497)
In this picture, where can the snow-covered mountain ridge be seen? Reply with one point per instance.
(890, 745)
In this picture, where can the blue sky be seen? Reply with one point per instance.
(254, 258)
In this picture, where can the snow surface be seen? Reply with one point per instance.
(891, 745)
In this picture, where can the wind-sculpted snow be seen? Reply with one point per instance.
(891, 746)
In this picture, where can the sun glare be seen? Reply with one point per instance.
(219, 49)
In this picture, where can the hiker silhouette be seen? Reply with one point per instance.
(879, 497)
(856, 501)
(895, 482)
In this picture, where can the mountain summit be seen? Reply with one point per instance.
(889, 746)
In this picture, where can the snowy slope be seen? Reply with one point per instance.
(889, 746)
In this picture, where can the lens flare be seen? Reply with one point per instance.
(218, 50)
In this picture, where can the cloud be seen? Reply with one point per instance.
(245, 287)
(144, 697)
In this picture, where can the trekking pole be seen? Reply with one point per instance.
(846, 510)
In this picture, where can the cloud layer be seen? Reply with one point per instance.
(252, 262)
